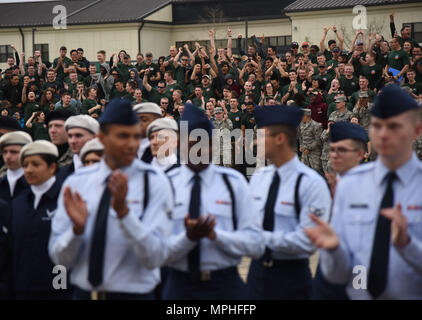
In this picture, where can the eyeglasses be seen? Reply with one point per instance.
(321, 67)
(164, 103)
(160, 87)
(342, 151)
(184, 59)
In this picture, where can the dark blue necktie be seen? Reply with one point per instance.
(268, 223)
(96, 255)
(194, 206)
(378, 270)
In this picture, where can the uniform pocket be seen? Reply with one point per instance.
(358, 224)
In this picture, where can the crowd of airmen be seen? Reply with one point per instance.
(129, 221)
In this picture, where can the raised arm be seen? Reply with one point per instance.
(147, 86)
(392, 25)
(212, 60)
(229, 43)
(21, 68)
(322, 42)
(39, 66)
(191, 55)
(339, 37)
(176, 58)
(25, 87)
(212, 40)
(16, 54)
(28, 123)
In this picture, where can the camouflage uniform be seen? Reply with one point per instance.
(325, 154)
(417, 146)
(363, 115)
(3, 171)
(222, 135)
(338, 116)
(66, 158)
(309, 138)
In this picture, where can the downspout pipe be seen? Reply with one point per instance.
(23, 39)
(33, 40)
(139, 35)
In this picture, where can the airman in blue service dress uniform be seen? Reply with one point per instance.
(284, 194)
(114, 218)
(377, 213)
(352, 138)
(213, 225)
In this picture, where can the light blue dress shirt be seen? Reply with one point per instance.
(135, 248)
(355, 211)
(229, 246)
(288, 241)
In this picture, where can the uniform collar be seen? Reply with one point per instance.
(105, 170)
(165, 162)
(404, 173)
(77, 163)
(286, 169)
(49, 188)
(205, 175)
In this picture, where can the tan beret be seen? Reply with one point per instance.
(147, 107)
(162, 124)
(15, 138)
(38, 147)
(91, 146)
(82, 121)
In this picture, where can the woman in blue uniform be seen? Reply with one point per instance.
(32, 212)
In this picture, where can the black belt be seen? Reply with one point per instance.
(205, 275)
(274, 263)
(103, 295)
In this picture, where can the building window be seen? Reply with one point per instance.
(417, 32)
(6, 52)
(45, 54)
(282, 43)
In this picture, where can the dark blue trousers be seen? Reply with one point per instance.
(224, 284)
(284, 280)
(324, 290)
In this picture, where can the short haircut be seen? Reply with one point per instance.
(170, 73)
(359, 144)
(404, 27)
(132, 84)
(66, 93)
(288, 131)
(80, 49)
(102, 52)
(72, 51)
(273, 48)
